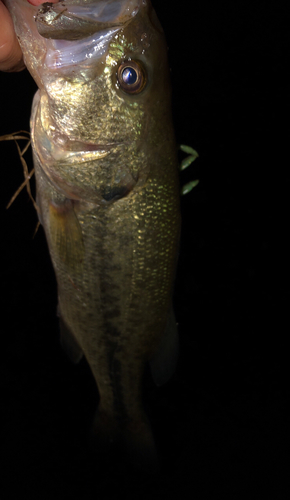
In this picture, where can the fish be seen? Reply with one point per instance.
(108, 198)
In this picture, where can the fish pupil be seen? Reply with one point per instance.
(129, 76)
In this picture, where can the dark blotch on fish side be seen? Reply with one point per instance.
(115, 193)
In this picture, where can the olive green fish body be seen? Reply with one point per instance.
(108, 196)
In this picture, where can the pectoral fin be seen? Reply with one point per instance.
(65, 236)
(163, 362)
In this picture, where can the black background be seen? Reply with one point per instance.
(221, 424)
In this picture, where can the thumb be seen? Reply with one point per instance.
(10, 51)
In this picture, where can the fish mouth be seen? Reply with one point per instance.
(80, 33)
(70, 21)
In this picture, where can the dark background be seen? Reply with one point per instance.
(221, 424)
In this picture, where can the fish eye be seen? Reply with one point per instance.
(131, 77)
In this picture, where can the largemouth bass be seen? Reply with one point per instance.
(108, 196)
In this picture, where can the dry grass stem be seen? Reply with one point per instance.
(27, 175)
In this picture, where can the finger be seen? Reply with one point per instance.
(10, 51)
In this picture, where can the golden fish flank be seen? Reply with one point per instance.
(107, 189)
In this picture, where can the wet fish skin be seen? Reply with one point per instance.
(107, 189)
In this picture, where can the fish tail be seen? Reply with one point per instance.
(130, 444)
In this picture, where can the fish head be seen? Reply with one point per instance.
(103, 113)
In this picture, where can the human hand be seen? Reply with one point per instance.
(10, 52)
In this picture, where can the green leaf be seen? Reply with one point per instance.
(189, 150)
(186, 162)
(189, 186)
